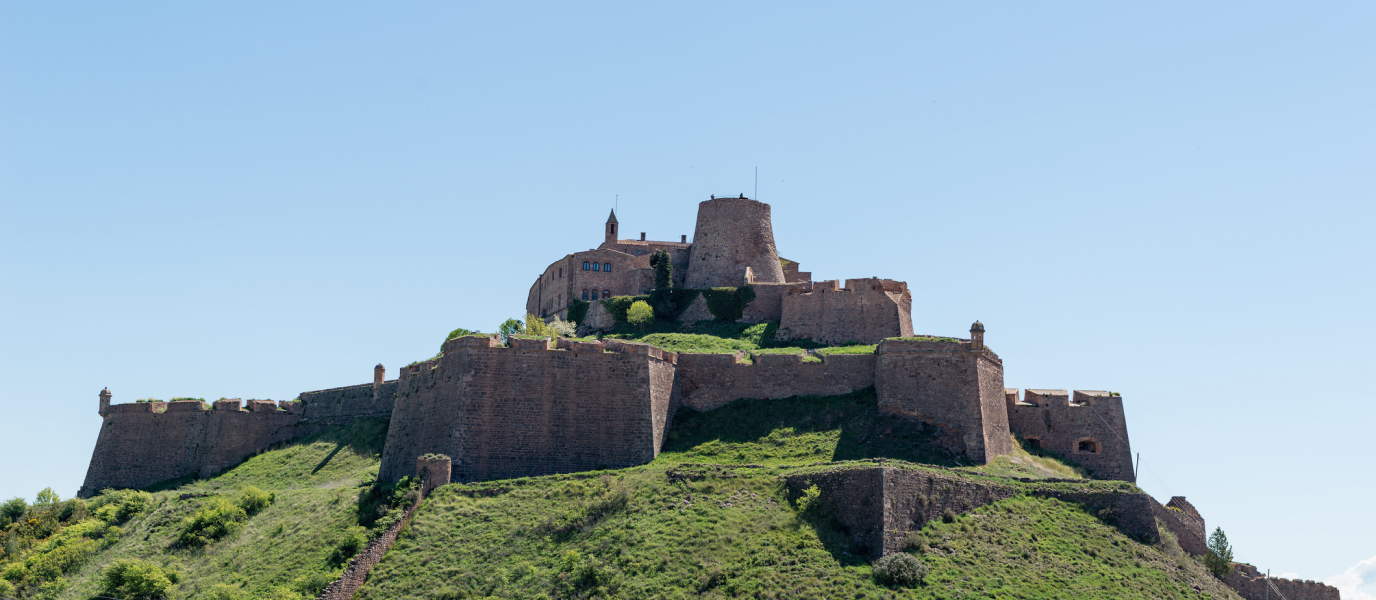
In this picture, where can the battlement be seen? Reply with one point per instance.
(709, 381)
(1086, 426)
(1252, 584)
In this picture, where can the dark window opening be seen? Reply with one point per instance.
(585, 265)
(585, 295)
(597, 266)
(607, 267)
(606, 293)
(1033, 442)
(1090, 446)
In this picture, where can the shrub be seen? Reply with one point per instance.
(136, 579)
(117, 506)
(578, 310)
(354, 540)
(215, 519)
(6, 589)
(948, 516)
(47, 496)
(312, 583)
(281, 593)
(618, 305)
(810, 500)
(252, 500)
(460, 332)
(899, 569)
(728, 303)
(224, 591)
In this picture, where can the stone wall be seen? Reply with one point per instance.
(143, 443)
(1251, 584)
(341, 406)
(948, 385)
(514, 412)
(1090, 428)
(732, 234)
(864, 311)
(708, 381)
(1185, 523)
(879, 506)
(768, 303)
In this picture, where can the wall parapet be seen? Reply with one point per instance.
(1251, 583)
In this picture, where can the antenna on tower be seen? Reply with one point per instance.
(617, 203)
(757, 183)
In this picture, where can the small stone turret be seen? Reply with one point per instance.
(379, 375)
(610, 232)
(977, 337)
(105, 402)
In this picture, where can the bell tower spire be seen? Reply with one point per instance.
(610, 233)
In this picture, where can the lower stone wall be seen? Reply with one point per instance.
(879, 506)
(323, 409)
(1251, 584)
(139, 447)
(1188, 528)
(1060, 422)
(708, 381)
(768, 303)
(864, 312)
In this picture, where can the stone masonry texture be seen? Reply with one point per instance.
(1185, 523)
(708, 381)
(732, 234)
(1089, 428)
(864, 311)
(948, 385)
(509, 412)
(878, 506)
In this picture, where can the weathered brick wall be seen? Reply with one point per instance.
(1060, 423)
(1250, 583)
(141, 444)
(708, 381)
(865, 311)
(879, 506)
(732, 234)
(1186, 524)
(334, 407)
(947, 385)
(510, 412)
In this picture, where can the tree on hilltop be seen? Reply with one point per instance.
(640, 314)
(1219, 560)
(460, 332)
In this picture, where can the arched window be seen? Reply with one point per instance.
(585, 295)
(606, 293)
(585, 265)
(597, 266)
(607, 267)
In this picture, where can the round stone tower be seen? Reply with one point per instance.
(732, 234)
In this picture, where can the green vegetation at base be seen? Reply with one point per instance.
(708, 337)
(284, 523)
(686, 531)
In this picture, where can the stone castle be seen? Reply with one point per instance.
(530, 407)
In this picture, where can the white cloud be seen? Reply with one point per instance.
(1358, 582)
(1289, 576)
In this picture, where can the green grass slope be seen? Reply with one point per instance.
(289, 546)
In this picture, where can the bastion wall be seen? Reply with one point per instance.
(864, 311)
(957, 386)
(1251, 584)
(709, 381)
(503, 412)
(1089, 428)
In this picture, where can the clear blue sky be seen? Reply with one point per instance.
(1172, 201)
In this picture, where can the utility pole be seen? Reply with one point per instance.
(1139, 465)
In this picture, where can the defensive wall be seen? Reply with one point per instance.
(1089, 428)
(1180, 517)
(954, 385)
(1252, 584)
(864, 311)
(143, 443)
(878, 506)
(709, 381)
(503, 412)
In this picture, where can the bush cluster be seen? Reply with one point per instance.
(578, 310)
(901, 569)
(219, 517)
(728, 303)
(136, 580)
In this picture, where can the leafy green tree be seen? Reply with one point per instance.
(47, 496)
(509, 327)
(1219, 560)
(640, 314)
(12, 510)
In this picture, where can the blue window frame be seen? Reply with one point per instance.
(596, 266)
(585, 265)
(607, 267)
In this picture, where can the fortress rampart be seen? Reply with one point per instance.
(1089, 428)
(957, 386)
(709, 381)
(143, 443)
(864, 311)
(502, 412)
(1185, 522)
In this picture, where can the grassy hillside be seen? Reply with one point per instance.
(286, 549)
(674, 531)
